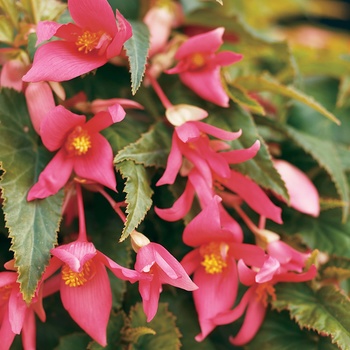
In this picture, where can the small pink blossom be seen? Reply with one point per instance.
(81, 148)
(159, 267)
(96, 36)
(199, 65)
(12, 73)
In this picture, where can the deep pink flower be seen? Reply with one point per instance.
(96, 36)
(199, 65)
(213, 263)
(81, 149)
(16, 317)
(159, 267)
(84, 285)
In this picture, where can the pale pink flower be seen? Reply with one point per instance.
(158, 267)
(213, 263)
(97, 36)
(303, 195)
(81, 148)
(84, 285)
(12, 73)
(199, 65)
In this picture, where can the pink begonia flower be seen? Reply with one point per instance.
(12, 73)
(303, 195)
(16, 317)
(82, 149)
(213, 263)
(199, 66)
(96, 36)
(155, 262)
(84, 285)
(261, 280)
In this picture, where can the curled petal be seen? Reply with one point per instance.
(225, 58)
(217, 132)
(242, 155)
(268, 270)
(150, 292)
(45, 30)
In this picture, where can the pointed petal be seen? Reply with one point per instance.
(6, 334)
(181, 206)
(297, 277)
(61, 61)
(99, 105)
(246, 275)
(150, 292)
(225, 58)
(56, 125)
(97, 163)
(29, 331)
(40, 101)
(17, 309)
(207, 84)
(217, 132)
(208, 42)
(104, 119)
(253, 195)
(89, 305)
(53, 177)
(45, 30)
(242, 155)
(191, 261)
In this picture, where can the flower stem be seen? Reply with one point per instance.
(159, 91)
(115, 205)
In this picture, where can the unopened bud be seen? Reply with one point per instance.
(180, 114)
(138, 240)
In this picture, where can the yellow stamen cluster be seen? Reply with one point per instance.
(77, 279)
(264, 291)
(197, 60)
(87, 41)
(214, 257)
(78, 142)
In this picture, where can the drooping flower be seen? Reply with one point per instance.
(199, 65)
(95, 37)
(159, 267)
(81, 149)
(213, 263)
(84, 285)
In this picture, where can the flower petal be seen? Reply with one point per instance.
(29, 331)
(150, 292)
(191, 261)
(97, 163)
(242, 155)
(53, 177)
(12, 73)
(90, 304)
(217, 132)
(225, 58)
(6, 334)
(17, 309)
(45, 30)
(60, 61)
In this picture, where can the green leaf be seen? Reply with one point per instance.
(32, 225)
(138, 195)
(260, 168)
(241, 97)
(266, 83)
(326, 310)
(152, 149)
(137, 51)
(75, 341)
(279, 332)
(167, 335)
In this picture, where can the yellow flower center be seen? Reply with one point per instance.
(87, 41)
(78, 142)
(77, 279)
(214, 257)
(197, 60)
(263, 291)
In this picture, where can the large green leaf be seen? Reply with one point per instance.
(152, 149)
(138, 194)
(32, 225)
(166, 333)
(326, 310)
(279, 332)
(260, 168)
(74, 341)
(137, 52)
(266, 83)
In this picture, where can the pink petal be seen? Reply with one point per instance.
(226, 58)
(29, 331)
(174, 163)
(246, 275)
(94, 15)
(75, 254)
(187, 132)
(17, 309)
(181, 206)
(208, 42)
(56, 125)
(7, 278)
(97, 163)
(6, 334)
(45, 30)
(191, 261)
(297, 277)
(150, 296)
(217, 132)
(99, 105)
(53, 177)
(251, 254)
(207, 302)
(242, 155)
(40, 101)
(60, 61)
(268, 270)
(254, 318)
(207, 84)
(302, 192)
(104, 119)
(12, 73)
(253, 195)
(89, 305)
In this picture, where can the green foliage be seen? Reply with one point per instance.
(74, 341)
(325, 310)
(32, 225)
(137, 51)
